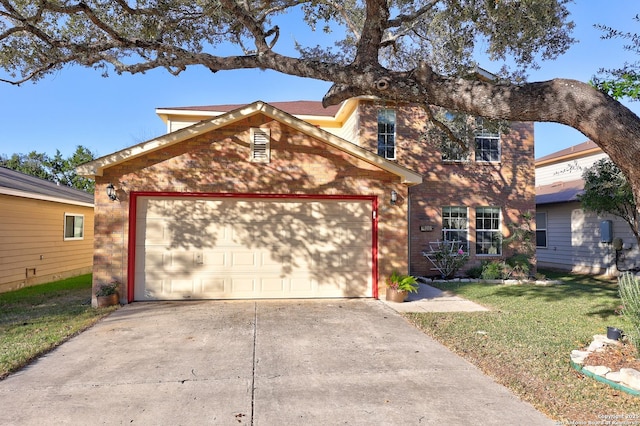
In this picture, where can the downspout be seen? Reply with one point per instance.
(409, 248)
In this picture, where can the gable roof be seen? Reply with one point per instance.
(97, 167)
(22, 185)
(560, 192)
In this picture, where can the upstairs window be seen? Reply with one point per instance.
(455, 225)
(487, 147)
(260, 145)
(73, 226)
(488, 235)
(387, 133)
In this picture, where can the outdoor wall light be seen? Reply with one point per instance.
(111, 192)
(394, 197)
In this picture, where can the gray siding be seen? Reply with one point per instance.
(565, 171)
(573, 241)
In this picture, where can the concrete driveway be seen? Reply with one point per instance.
(257, 362)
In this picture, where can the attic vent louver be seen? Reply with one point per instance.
(260, 145)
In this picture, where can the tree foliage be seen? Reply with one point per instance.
(606, 190)
(623, 82)
(56, 169)
(417, 51)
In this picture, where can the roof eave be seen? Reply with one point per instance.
(97, 167)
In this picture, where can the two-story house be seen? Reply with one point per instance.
(292, 200)
(568, 237)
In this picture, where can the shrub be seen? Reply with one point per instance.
(447, 257)
(629, 290)
(475, 272)
(492, 271)
(519, 265)
(108, 289)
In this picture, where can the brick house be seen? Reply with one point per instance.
(289, 199)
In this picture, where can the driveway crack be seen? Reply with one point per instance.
(253, 373)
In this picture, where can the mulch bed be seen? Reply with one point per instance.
(615, 357)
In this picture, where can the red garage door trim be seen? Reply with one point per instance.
(133, 212)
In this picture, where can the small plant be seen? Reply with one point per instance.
(447, 257)
(519, 266)
(629, 290)
(400, 282)
(108, 289)
(475, 272)
(492, 271)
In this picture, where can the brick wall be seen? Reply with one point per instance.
(218, 162)
(509, 184)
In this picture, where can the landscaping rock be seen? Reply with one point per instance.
(579, 356)
(614, 376)
(630, 377)
(595, 346)
(600, 370)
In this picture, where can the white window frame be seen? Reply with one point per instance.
(454, 224)
(494, 229)
(74, 235)
(386, 135)
(260, 145)
(542, 228)
(484, 135)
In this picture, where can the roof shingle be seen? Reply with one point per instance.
(21, 182)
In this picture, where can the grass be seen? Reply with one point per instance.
(34, 320)
(525, 340)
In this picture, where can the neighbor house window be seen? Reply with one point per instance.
(541, 229)
(488, 235)
(387, 133)
(455, 225)
(260, 145)
(73, 226)
(487, 146)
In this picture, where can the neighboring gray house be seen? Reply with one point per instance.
(567, 237)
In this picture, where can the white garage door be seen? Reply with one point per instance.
(230, 248)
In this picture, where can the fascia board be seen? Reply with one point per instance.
(31, 195)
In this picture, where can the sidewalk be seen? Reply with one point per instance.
(431, 299)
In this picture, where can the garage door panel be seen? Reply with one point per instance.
(243, 259)
(214, 258)
(246, 284)
(213, 286)
(243, 248)
(274, 285)
(301, 285)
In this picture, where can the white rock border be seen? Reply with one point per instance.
(627, 379)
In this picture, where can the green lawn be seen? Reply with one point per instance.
(525, 341)
(36, 319)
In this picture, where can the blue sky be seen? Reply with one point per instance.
(77, 106)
